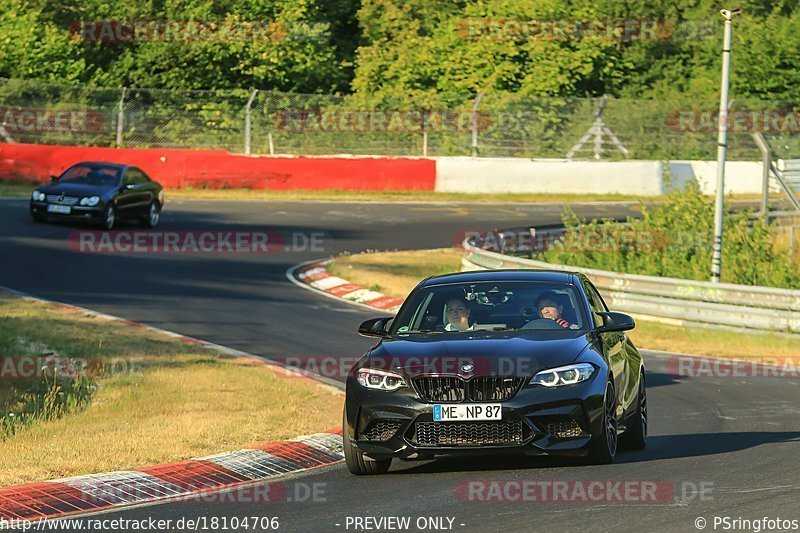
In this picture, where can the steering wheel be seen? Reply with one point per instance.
(541, 323)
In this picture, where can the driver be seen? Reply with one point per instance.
(457, 313)
(549, 308)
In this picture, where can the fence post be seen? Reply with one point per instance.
(766, 161)
(247, 122)
(475, 125)
(271, 144)
(424, 144)
(121, 117)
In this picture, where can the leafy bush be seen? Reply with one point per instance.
(674, 239)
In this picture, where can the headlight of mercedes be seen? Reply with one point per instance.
(91, 201)
(379, 379)
(38, 196)
(563, 375)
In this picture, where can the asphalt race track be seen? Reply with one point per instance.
(724, 447)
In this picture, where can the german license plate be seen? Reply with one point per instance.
(465, 412)
(63, 209)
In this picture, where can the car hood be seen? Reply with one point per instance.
(489, 353)
(76, 189)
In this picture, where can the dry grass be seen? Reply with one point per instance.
(164, 401)
(392, 196)
(396, 273)
(334, 195)
(25, 189)
(8, 188)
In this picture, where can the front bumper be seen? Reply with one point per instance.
(536, 421)
(77, 212)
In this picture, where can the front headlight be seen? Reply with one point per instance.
(91, 201)
(38, 196)
(378, 379)
(564, 375)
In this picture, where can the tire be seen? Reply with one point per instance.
(109, 217)
(356, 463)
(603, 448)
(39, 218)
(151, 218)
(635, 436)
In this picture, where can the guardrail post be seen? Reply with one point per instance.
(247, 122)
(121, 117)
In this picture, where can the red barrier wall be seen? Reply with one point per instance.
(218, 169)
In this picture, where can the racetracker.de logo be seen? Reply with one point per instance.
(352, 121)
(126, 31)
(590, 491)
(50, 366)
(194, 242)
(737, 121)
(604, 30)
(704, 367)
(43, 120)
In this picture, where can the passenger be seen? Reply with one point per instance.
(457, 313)
(549, 308)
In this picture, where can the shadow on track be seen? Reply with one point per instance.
(659, 448)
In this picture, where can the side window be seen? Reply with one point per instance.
(596, 302)
(134, 176)
(141, 176)
(601, 305)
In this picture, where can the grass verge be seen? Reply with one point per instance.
(157, 399)
(396, 273)
(25, 189)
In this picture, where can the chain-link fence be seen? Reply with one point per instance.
(491, 125)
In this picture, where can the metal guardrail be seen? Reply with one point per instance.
(669, 299)
(790, 168)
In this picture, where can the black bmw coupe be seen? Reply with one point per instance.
(99, 192)
(506, 361)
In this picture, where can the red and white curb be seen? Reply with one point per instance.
(315, 275)
(180, 480)
(98, 492)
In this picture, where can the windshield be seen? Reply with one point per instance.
(91, 175)
(492, 306)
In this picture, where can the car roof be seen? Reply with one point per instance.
(103, 163)
(553, 276)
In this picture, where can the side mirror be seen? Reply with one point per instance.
(374, 327)
(615, 322)
(53, 178)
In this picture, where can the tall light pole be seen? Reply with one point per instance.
(722, 144)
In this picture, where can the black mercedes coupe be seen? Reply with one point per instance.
(506, 361)
(99, 192)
